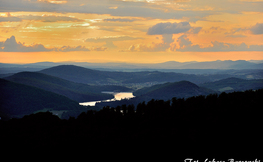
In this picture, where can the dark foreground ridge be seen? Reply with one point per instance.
(223, 125)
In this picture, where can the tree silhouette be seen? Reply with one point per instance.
(124, 109)
(214, 121)
(141, 108)
(131, 109)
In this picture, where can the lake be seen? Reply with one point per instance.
(117, 97)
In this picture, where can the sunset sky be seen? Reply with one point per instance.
(133, 31)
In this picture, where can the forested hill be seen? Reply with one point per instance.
(234, 84)
(75, 73)
(225, 125)
(166, 91)
(182, 89)
(75, 91)
(19, 100)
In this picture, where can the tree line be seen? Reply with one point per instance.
(225, 124)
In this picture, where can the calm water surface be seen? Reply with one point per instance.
(117, 97)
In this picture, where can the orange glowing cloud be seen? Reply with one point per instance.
(131, 30)
(54, 1)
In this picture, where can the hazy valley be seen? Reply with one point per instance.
(45, 107)
(79, 84)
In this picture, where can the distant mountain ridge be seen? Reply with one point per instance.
(228, 64)
(240, 64)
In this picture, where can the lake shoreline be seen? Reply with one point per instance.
(117, 97)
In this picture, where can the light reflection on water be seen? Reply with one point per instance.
(117, 97)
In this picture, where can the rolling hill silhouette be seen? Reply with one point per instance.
(182, 89)
(234, 84)
(166, 91)
(75, 91)
(75, 73)
(18, 100)
(88, 76)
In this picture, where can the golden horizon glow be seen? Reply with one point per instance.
(130, 31)
(157, 58)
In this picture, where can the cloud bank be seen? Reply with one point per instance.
(153, 47)
(187, 46)
(257, 29)
(11, 45)
(166, 30)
